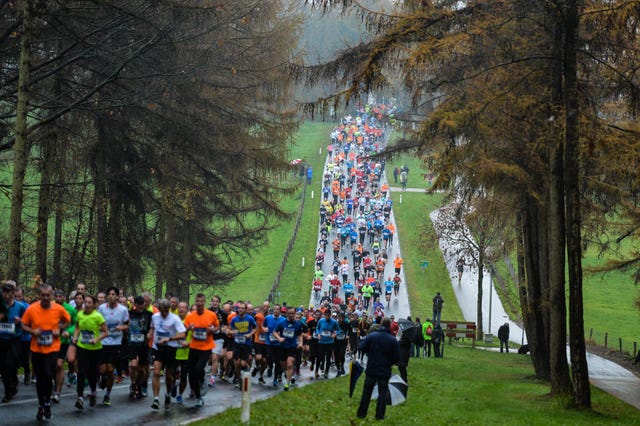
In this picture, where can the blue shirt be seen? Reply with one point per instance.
(9, 330)
(290, 330)
(347, 287)
(325, 329)
(244, 324)
(271, 323)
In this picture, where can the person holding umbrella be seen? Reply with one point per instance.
(383, 351)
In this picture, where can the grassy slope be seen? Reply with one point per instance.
(255, 283)
(465, 387)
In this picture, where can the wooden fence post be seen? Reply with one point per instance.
(620, 343)
(606, 338)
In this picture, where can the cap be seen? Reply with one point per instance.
(8, 285)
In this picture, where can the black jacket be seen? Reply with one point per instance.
(382, 350)
(503, 332)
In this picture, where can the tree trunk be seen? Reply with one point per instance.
(560, 379)
(101, 205)
(582, 390)
(480, 326)
(48, 156)
(537, 338)
(21, 146)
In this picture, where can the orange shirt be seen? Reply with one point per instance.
(259, 336)
(200, 339)
(397, 262)
(47, 320)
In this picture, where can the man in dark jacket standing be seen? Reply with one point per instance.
(503, 335)
(383, 351)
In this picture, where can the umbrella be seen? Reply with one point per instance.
(397, 390)
(405, 324)
(355, 371)
(295, 162)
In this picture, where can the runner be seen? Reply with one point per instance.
(202, 323)
(117, 319)
(270, 323)
(182, 357)
(90, 330)
(166, 331)
(326, 331)
(10, 335)
(340, 346)
(260, 344)
(137, 348)
(388, 289)
(242, 327)
(218, 352)
(289, 334)
(65, 339)
(43, 320)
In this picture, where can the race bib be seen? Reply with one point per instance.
(162, 335)
(241, 339)
(135, 336)
(113, 332)
(7, 328)
(288, 333)
(86, 336)
(273, 338)
(45, 338)
(200, 334)
(340, 337)
(326, 333)
(262, 337)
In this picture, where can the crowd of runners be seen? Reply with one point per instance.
(92, 342)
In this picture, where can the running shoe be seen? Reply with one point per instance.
(106, 400)
(293, 380)
(92, 399)
(254, 372)
(55, 397)
(144, 392)
(275, 383)
(156, 403)
(203, 389)
(212, 381)
(80, 403)
(47, 411)
(103, 382)
(167, 402)
(40, 414)
(179, 399)
(286, 387)
(269, 372)
(199, 402)
(326, 375)
(174, 390)
(261, 381)
(317, 375)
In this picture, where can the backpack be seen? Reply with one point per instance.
(429, 331)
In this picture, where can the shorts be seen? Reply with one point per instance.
(288, 353)
(64, 347)
(166, 355)
(260, 349)
(111, 354)
(218, 348)
(141, 353)
(241, 351)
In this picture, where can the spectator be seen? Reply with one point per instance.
(503, 335)
(383, 351)
(438, 301)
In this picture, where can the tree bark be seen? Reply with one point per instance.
(538, 343)
(21, 146)
(560, 379)
(480, 325)
(579, 368)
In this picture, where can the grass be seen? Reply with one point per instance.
(467, 386)
(255, 283)
(418, 242)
